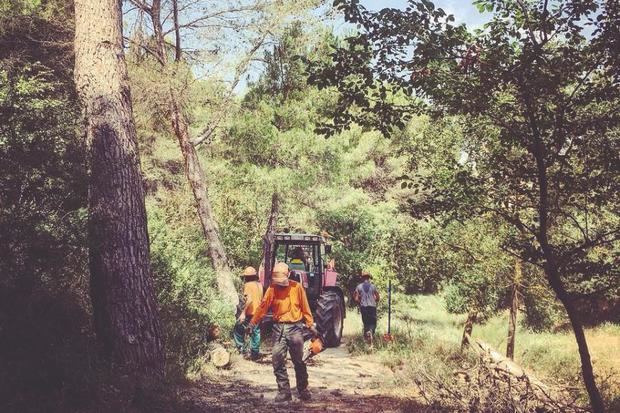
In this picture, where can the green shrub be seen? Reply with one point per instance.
(185, 283)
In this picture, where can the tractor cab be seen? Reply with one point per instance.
(306, 256)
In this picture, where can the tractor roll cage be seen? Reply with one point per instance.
(325, 297)
(316, 247)
(299, 238)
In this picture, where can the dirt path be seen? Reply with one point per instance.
(339, 382)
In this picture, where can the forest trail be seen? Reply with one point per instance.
(339, 382)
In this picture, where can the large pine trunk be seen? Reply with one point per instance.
(124, 303)
(198, 183)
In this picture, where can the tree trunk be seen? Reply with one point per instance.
(268, 238)
(587, 372)
(514, 309)
(198, 183)
(553, 276)
(124, 304)
(193, 168)
(469, 326)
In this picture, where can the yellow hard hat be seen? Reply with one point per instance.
(279, 275)
(249, 272)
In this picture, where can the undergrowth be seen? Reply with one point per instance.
(426, 346)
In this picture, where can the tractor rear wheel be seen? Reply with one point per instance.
(329, 318)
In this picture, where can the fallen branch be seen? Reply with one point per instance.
(556, 398)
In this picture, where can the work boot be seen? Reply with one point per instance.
(254, 356)
(305, 395)
(283, 397)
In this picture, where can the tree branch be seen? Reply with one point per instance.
(465, 250)
(146, 48)
(241, 68)
(203, 18)
(141, 5)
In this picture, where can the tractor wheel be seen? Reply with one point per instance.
(329, 318)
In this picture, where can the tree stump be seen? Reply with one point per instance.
(220, 357)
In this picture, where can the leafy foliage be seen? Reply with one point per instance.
(535, 89)
(430, 177)
(44, 309)
(529, 120)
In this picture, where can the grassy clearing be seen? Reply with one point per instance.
(554, 354)
(419, 347)
(428, 338)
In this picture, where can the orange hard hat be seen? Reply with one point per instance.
(366, 274)
(279, 275)
(249, 272)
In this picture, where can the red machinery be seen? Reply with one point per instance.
(320, 280)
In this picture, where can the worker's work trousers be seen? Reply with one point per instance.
(369, 318)
(239, 337)
(288, 337)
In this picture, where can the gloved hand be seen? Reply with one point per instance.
(241, 318)
(313, 330)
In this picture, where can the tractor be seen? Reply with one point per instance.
(306, 256)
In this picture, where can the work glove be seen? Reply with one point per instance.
(241, 318)
(313, 330)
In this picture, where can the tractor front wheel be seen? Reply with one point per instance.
(330, 318)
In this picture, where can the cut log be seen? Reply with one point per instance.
(220, 357)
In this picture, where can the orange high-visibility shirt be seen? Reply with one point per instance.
(253, 293)
(288, 305)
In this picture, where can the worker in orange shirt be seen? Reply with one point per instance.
(252, 296)
(291, 311)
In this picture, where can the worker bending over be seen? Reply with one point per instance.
(252, 296)
(289, 306)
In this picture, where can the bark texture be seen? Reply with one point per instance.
(268, 238)
(469, 326)
(124, 304)
(596, 401)
(514, 310)
(553, 276)
(193, 168)
(198, 183)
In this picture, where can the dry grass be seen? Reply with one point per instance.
(426, 333)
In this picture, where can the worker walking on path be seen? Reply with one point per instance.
(367, 297)
(289, 306)
(252, 296)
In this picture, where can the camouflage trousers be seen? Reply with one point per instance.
(289, 337)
